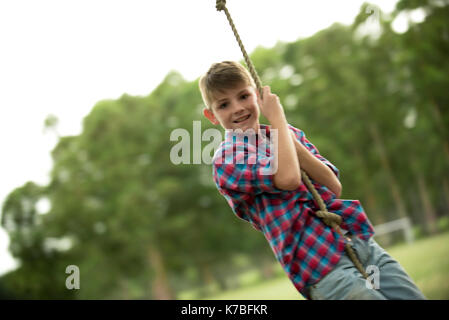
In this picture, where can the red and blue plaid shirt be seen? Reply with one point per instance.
(306, 248)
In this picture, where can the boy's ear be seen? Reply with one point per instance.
(209, 115)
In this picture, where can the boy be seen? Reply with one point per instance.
(278, 204)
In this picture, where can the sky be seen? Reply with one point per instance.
(61, 57)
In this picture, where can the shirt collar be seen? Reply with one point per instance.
(264, 132)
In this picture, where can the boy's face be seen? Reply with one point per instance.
(235, 108)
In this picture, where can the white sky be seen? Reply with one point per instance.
(61, 57)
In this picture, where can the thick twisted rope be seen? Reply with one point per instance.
(331, 219)
(221, 6)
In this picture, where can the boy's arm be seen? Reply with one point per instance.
(315, 168)
(288, 174)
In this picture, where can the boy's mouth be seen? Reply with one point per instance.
(242, 119)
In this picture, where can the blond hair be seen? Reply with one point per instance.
(221, 76)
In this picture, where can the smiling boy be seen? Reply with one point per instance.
(280, 205)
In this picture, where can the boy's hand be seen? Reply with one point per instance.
(287, 175)
(270, 106)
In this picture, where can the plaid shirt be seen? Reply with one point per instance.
(306, 248)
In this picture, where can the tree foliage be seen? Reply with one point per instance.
(139, 226)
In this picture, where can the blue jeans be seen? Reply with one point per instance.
(345, 282)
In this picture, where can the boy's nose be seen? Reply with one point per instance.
(238, 108)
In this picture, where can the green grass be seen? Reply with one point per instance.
(426, 261)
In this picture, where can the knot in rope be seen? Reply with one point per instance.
(329, 218)
(221, 4)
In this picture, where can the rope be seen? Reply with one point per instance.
(221, 6)
(331, 219)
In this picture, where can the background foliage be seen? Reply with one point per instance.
(140, 227)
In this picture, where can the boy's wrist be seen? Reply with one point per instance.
(278, 119)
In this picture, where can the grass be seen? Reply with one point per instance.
(426, 261)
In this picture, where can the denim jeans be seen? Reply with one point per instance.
(345, 282)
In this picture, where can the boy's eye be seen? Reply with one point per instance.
(244, 96)
(223, 105)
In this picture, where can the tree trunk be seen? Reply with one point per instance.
(208, 278)
(436, 113)
(371, 203)
(446, 193)
(394, 186)
(267, 269)
(161, 288)
(429, 210)
(221, 280)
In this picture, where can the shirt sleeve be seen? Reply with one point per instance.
(242, 172)
(300, 135)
